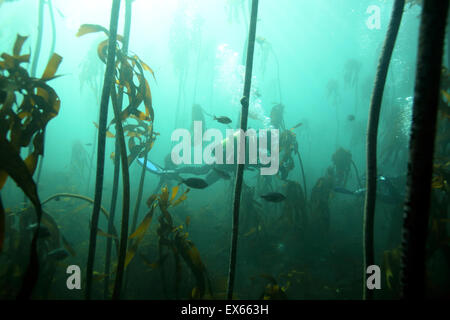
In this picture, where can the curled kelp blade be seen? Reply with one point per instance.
(27, 104)
(15, 167)
(91, 28)
(191, 257)
(102, 233)
(142, 228)
(138, 235)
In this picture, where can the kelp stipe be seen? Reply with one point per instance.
(108, 82)
(240, 168)
(37, 48)
(372, 133)
(120, 147)
(112, 210)
(127, 68)
(125, 200)
(422, 145)
(52, 50)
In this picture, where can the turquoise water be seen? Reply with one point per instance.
(316, 58)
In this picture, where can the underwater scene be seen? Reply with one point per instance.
(226, 149)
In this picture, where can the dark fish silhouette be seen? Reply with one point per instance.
(222, 119)
(350, 117)
(273, 197)
(195, 183)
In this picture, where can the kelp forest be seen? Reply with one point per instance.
(327, 123)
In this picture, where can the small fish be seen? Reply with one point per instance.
(350, 117)
(273, 197)
(58, 254)
(195, 183)
(88, 144)
(297, 125)
(43, 230)
(222, 174)
(222, 119)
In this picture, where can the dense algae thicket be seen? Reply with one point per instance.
(93, 92)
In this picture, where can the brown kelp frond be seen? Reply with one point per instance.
(174, 239)
(23, 124)
(128, 69)
(272, 289)
(91, 28)
(391, 265)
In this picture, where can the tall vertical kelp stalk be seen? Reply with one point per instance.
(240, 168)
(37, 47)
(303, 173)
(112, 210)
(22, 125)
(52, 50)
(52, 20)
(128, 74)
(126, 197)
(372, 134)
(423, 132)
(107, 83)
(139, 194)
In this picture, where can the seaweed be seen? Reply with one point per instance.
(20, 126)
(140, 135)
(172, 239)
(103, 114)
(372, 132)
(422, 146)
(240, 168)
